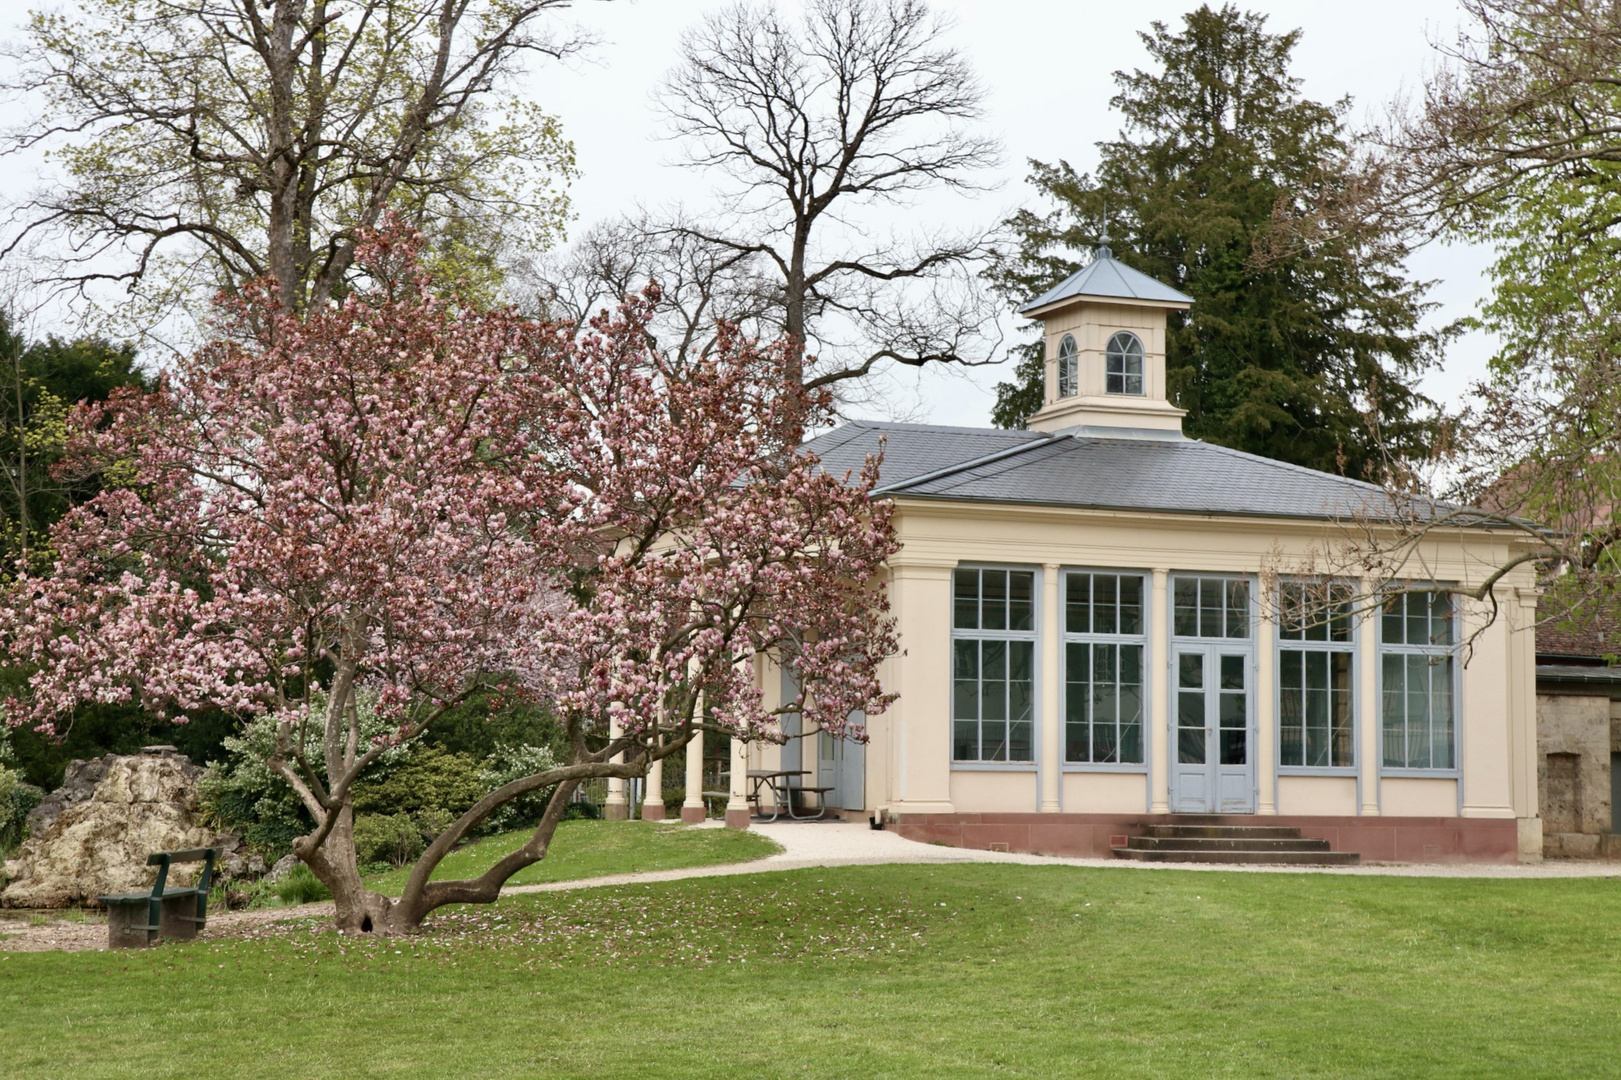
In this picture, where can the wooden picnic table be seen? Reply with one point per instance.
(780, 781)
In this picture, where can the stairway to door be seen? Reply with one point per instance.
(1211, 838)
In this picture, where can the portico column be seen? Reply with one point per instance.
(653, 801)
(737, 807)
(1266, 715)
(692, 808)
(1051, 777)
(1159, 698)
(1367, 701)
(616, 808)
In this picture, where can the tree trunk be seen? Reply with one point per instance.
(358, 911)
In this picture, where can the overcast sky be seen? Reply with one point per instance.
(1047, 65)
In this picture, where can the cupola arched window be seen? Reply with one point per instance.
(1068, 368)
(1123, 364)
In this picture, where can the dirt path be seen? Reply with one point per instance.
(804, 844)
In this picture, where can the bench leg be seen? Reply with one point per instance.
(127, 926)
(178, 919)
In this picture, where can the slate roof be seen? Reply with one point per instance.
(1176, 476)
(1108, 277)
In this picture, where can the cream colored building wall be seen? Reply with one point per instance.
(914, 772)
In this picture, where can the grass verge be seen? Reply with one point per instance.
(584, 849)
(897, 971)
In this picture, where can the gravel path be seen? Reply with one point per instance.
(805, 844)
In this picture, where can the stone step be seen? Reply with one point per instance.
(1226, 832)
(1226, 843)
(1239, 858)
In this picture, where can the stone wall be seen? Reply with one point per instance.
(1576, 734)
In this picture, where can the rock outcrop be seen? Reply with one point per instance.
(92, 835)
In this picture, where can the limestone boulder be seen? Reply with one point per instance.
(92, 835)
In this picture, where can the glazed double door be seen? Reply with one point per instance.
(1213, 741)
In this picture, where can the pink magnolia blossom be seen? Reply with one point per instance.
(401, 495)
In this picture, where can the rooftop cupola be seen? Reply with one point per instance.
(1105, 342)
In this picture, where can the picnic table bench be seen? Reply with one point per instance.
(136, 919)
(785, 793)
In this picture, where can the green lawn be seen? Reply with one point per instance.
(925, 971)
(583, 849)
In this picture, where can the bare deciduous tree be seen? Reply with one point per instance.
(811, 123)
(203, 143)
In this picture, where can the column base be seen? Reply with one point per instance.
(616, 811)
(692, 815)
(653, 811)
(738, 819)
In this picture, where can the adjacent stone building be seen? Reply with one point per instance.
(1578, 745)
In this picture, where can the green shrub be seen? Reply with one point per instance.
(423, 778)
(240, 793)
(17, 798)
(300, 886)
(392, 838)
(506, 764)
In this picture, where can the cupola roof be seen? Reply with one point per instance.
(1107, 278)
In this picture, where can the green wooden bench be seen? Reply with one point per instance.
(135, 920)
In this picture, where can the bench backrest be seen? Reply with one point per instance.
(163, 859)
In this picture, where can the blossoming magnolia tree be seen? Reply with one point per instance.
(403, 497)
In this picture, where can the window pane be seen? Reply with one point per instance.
(1021, 685)
(1316, 708)
(1210, 607)
(1440, 619)
(1291, 611)
(1232, 673)
(1190, 709)
(1418, 712)
(1190, 670)
(993, 741)
(1104, 604)
(965, 680)
(1187, 607)
(1115, 383)
(1019, 748)
(1391, 621)
(1131, 744)
(1190, 746)
(965, 743)
(1133, 384)
(1021, 602)
(1418, 620)
(1339, 627)
(1131, 665)
(1238, 609)
(1234, 746)
(1078, 603)
(1441, 720)
(993, 695)
(1340, 709)
(993, 605)
(1131, 604)
(965, 600)
(1233, 711)
(1291, 707)
(1393, 711)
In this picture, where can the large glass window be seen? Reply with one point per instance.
(1104, 641)
(1210, 607)
(1416, 661)
(1316, 704)
(1123, 364)
(993, 664)
(1069, 375)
